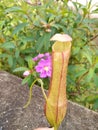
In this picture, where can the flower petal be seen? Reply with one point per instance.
(44, 66)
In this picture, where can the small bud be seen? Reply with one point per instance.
(26, 73)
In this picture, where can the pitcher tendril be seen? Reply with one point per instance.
(30, 93)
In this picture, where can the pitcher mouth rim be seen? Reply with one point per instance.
(61, 38)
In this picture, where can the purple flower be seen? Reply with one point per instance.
(47, 55)
(38, 57)
(44, 67)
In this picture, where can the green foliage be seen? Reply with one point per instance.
(25, 31)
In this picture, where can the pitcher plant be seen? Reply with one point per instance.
(56, 104)
(55, 67)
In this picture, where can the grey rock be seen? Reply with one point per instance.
(13, 116)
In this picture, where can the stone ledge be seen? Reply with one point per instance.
(13, 116)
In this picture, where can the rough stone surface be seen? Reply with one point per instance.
(13, 116)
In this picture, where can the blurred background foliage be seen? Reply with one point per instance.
(25, 30)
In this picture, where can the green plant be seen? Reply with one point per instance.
(25, 31)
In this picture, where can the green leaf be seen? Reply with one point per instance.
(70, 80)
(43, 42)
(90, 75)
(10, 60)
(20, 61)
(75, 5)
(96, 80)
(80, 73)
(20, 69)
(26, 80)
(8, 45)
(91, 98)
(96, 104)
(17, 53)
(30, 62)
(76, 50)
(3, 55)
(19, 28)
(89, 4)
(96, 65)
(27, 39)
(47, 41)
(13, 9)
(27, 51)
(39, 44)
(88, 56)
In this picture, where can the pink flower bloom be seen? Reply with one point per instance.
(44, 65)
(47, 55)
(38, 57)
(26, 73)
